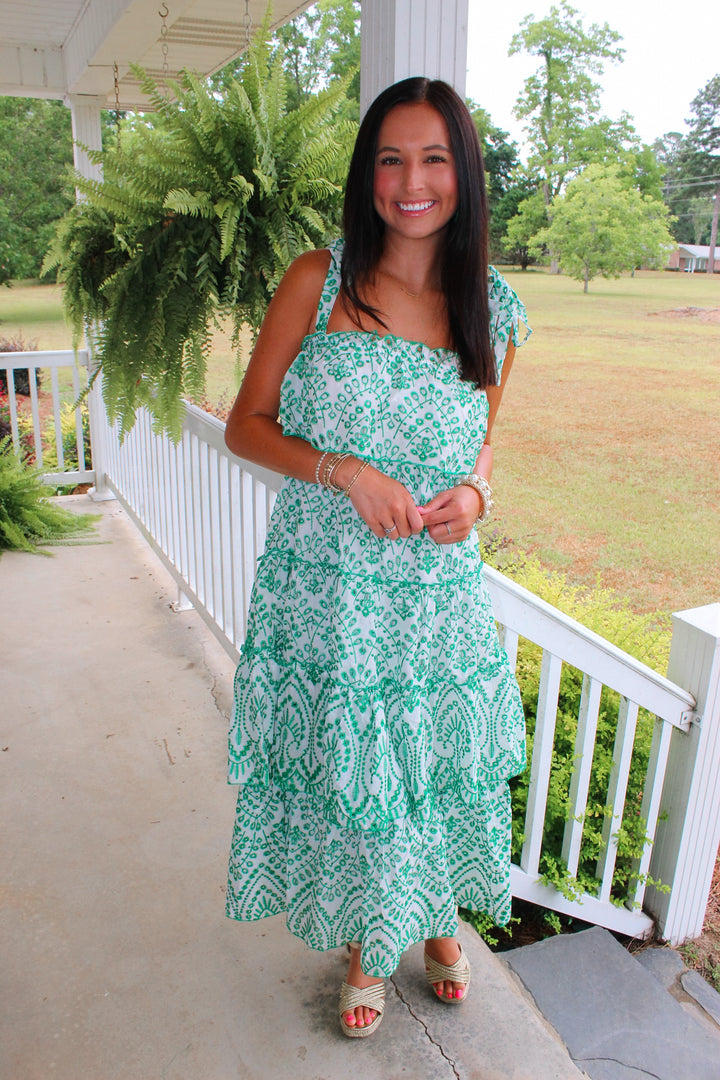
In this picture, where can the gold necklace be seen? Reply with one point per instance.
(414, 295)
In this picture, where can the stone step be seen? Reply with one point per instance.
(618, 1015)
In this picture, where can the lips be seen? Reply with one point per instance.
(416, 207)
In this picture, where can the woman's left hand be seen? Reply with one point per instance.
(451, 515)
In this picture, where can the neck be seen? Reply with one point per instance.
(414, 265)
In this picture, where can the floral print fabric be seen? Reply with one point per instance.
(376, 721)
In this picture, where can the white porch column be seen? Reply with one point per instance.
(688, 832)
(401, 38)
(87, 131)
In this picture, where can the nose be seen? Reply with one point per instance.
(413, 176)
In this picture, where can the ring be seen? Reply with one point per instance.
(391, 530)
(447, 526)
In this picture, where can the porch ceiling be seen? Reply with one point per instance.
(54, 48)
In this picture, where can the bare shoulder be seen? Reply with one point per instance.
(293, 308)
(306, 274)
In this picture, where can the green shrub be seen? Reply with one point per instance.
(27, 518)
(69, 443)
(21, 376)
(645, 637)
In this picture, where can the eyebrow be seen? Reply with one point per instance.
(396, 149)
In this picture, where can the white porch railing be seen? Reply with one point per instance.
(205, 514)
(75, 367)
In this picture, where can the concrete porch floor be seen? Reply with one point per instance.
(118, 962)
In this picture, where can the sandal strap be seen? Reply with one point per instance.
(459, 972)
(372, 997)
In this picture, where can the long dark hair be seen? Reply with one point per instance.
(464, 269)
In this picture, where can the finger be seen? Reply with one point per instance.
(440, 534)
(415, 519)
(436, 517)
(438, 501)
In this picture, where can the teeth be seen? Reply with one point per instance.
(417, 206)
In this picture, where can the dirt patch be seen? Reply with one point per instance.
(711, 315)
(703, 954)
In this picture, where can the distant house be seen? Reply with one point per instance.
(692, 257)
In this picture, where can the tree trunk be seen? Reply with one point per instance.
(587, 278)
(713, 234)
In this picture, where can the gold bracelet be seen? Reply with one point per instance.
(363, 466)
(332, 482)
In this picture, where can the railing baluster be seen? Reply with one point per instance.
(59, 448)
(248, 536)
(650, 809)
(509, 641)
(580, 779)
(622, 756)
(34, 405)
(541, 761)
(223, 469)
(12, 401)
(235, 539)
(79, 438)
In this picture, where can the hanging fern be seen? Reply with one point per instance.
(198, 216)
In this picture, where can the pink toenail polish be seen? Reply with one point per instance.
(458, 993)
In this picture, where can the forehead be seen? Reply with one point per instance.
(415, 124)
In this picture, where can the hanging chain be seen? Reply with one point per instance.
(163, 12)
(248, 24)
(116, 83)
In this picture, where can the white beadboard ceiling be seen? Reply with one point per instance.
(54, 48)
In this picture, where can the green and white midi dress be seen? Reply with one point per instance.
(376, 721)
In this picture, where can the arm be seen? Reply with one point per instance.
(458, 507)
(253, 431)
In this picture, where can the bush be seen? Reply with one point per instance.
(22, 375)
(27, 518)
(645, 637)
(69, 443)
(27, 446)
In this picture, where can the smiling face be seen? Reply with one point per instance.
(415, 188)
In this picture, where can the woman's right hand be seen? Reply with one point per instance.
(385, 505)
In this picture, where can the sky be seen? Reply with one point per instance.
(672, 49)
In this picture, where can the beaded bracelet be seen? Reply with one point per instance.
(479, 484)
(319, 465)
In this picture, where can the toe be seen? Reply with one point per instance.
(349, 1019)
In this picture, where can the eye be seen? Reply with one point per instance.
(434, 159)
(389, 159)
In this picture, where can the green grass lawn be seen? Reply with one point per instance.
(607, 444)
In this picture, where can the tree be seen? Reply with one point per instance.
(319, 45)
(703, 149)
(530, 217)
(691, 170)
(35, 185)
(560, 102)
(501, 164)
(601, 226)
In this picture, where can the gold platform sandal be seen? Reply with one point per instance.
(459, 972)
(352, 997)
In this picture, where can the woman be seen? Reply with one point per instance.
(376, 722)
